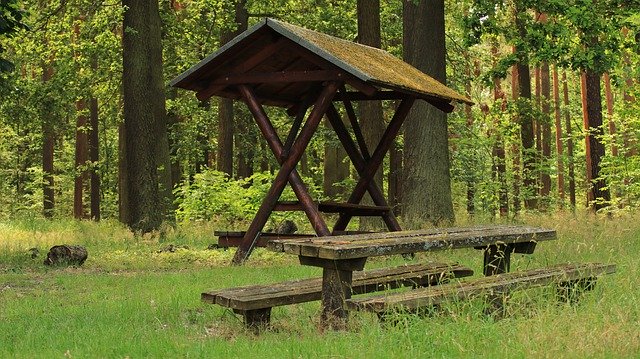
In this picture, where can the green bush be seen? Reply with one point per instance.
(212, 194)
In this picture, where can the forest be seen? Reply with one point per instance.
(554, 126)
(528, 185)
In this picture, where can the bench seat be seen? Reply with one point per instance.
(568, 277)
(255, 302)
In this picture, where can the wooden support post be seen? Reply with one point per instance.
(256, 320)
(336, 288)
(286, 169)
(497, 259)
(372, 165)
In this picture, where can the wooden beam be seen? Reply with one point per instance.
(278, 77)
(359, 96)
(377, 157)
(286, 170)
(209, 89)
(361, 165)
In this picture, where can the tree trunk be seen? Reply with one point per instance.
(558, 125)
(224, 153)
(525, 117)
(567, 121)
(395, 179)
(498, 152)
(147, 150)
(427, 181)
(48, 139)
(81, 157)
(597, 192)
(336, 168)
(94, 157)
(370, 112)
(545, 124)
(515, 148)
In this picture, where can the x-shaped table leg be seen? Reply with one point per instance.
(367, 169)
(287, 172)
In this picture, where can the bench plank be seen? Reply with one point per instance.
(305, 290)
(429, 296)
(380, 244)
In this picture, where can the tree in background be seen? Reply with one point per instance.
(427, 182)
(11, 20)
(148, 179)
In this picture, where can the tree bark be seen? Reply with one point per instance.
(81, 157)
(147, 149)
(370, 112)
(48, 139)
(224, 153)
(567, 121)
(515, 148)
(94, 157)
(545, 124)
(526, 117)
(558, 125)
(427, 181)
(598, 195)
(336, 167)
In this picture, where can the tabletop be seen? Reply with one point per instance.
(388, 243)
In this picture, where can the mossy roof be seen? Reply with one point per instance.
(368, 64)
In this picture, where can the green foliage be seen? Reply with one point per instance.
(213, 195)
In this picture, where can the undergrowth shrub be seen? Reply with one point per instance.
(212, 194)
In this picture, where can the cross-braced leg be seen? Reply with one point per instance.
(371, 166)
(286, 170)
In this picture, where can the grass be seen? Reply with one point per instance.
(128, 300)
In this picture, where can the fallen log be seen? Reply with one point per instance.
(66, 255)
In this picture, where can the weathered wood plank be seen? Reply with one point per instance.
(305, 290)
(434, 295)
(279, 76)
(379, 244)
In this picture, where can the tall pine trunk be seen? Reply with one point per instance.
(525, 117)
(558, 126)
(598, 195)
(427, 181)
(81, 157)
(94, 156)
(569, 131)
(48, 140)
(148, 177)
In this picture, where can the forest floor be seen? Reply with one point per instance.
(131, 299)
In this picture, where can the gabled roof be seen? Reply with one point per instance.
(275, 47)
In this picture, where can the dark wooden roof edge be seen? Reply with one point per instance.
(216, 53)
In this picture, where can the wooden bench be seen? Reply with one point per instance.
(254, 302)
(571, 279)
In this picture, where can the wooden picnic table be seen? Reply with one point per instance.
(339, 256)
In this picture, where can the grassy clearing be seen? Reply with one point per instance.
(128, 300)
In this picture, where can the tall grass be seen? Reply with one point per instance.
(128, 300)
